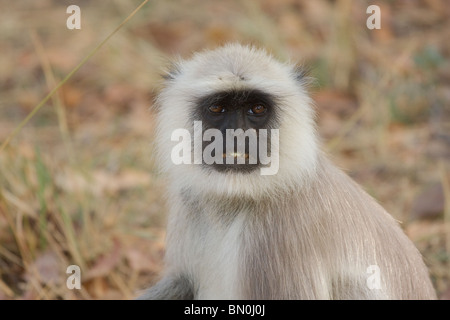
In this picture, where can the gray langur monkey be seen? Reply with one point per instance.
(303, 231)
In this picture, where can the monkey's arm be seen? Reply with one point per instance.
(170, 288)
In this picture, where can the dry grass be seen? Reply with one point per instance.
(78, 183)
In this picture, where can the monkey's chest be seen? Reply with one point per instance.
(215, 261)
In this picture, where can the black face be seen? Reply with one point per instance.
(239, 109)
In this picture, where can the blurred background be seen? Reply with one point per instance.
(78, 184)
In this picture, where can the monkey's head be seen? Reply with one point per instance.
(234, 121)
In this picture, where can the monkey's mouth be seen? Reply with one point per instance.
(237, 158)
(236, 155)
(237, 162)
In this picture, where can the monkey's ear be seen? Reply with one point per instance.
(172, 72)
(301, 73)
(303, 76)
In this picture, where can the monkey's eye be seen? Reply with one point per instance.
(257, 109)
(216, 109)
